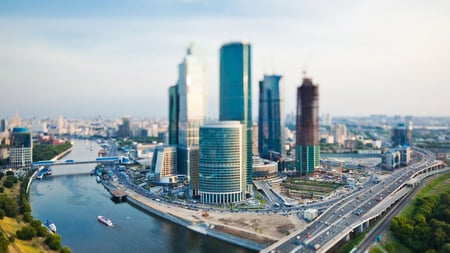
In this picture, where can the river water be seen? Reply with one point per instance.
(74, 201)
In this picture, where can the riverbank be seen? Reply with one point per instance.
(254, 231)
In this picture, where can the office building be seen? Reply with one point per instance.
(173, 115)
(402, 134)
(307, 127)
(164, 162)
(222, 162)
(235, 99)
(270, 118)
(125, 128)
(192, 89)
(21, 148)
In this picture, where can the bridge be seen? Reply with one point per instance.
(111, 159)
(354, 214)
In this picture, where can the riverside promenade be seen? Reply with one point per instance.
(250, 230)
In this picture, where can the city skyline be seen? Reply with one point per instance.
(115, 58)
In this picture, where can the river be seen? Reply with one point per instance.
(74, 201)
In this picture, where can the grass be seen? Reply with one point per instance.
(393, 245)
(435, 187)
(262, 201)
(9, 226)
(376, 249)
(352, 243)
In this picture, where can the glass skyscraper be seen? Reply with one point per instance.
(222, 163)
(173, 115)
(192, 93)
(307, 128)
(21, 148)
(235, 99)
(270, 118)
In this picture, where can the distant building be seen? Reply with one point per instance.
(222, 159)
(270, 118)
(307, 126)
(164, 162)
(194, 164)
(3, 125)
(396, 157)
(255, 148)
(402, 134)
(340, 133)
(174, 109)
(125, 128)
(235, 98)
(21, 148)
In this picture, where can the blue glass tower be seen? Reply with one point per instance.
(270, 118)
(235, 100)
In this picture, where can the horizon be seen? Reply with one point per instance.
(84, 59)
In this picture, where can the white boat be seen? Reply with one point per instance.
(51, 226)
(105, 220)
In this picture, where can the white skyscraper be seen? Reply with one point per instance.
(192, 92)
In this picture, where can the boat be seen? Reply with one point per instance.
(105, 220)
(44, 172)
(99, 179)
(92, 172)
(51, 226)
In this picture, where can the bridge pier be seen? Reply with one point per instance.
(361, 228)
(347, 238)
(367, 224)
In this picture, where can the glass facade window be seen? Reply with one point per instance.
(173, 115)
(235, 100)
(21, 148)
(222, 159)
(270, 118)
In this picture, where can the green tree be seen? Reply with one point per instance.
(65, 250)
(26, 233)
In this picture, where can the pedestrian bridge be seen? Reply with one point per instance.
(112, 159)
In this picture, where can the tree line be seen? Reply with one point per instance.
(428, 228)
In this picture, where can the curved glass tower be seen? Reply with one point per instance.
(235, 100)
(222, 159)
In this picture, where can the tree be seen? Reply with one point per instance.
(65, 250)
(26, 233)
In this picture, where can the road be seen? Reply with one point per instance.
(344, 215)
(383, 224)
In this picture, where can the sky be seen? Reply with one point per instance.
(114, 57)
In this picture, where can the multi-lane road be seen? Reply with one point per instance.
(354, 211)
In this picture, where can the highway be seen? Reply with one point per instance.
(354, 211)
(383, 224)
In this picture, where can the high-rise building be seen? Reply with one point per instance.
(401, 134)
(3, 125)
(125, 127)
(270, 118)
(173, 115)
(235, 99)
(307, 127)
(339, 133)
(222, 159)
(192, 93)
(21, 148)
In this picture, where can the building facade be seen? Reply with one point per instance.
(235, 99)
(173, 115)
(401, 134)
(192, 93)
(307, 128)
(270, 118)
(222, 163)
(21, 148)
(164, 162)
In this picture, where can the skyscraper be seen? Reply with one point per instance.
(222, 162)
(125, 127)
(402, 134)
(21, 148)
(307, 127)
(270, 118)
(173, 115)
(235, 100)
(192, 91)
